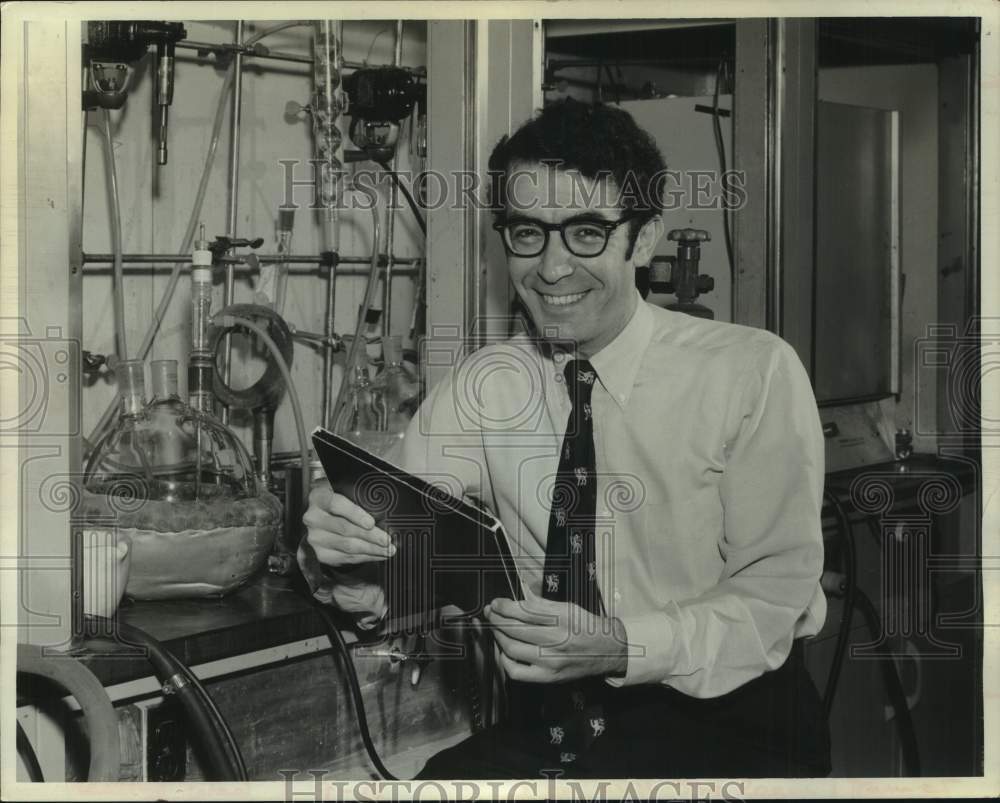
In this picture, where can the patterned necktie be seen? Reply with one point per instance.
(571, 712)
(570, 555)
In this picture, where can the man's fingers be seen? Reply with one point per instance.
(317, 519)
(528, 673)
(325, 498)
(529, 611)
(537, 635)
(518, 650)
(336, 557)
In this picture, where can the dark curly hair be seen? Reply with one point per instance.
(595, 139)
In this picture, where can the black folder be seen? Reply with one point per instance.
(448, 551)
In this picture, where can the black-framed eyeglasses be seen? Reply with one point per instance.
(583, 236)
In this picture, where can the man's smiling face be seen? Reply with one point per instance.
(586, 300)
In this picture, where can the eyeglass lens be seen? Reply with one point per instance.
(582, 238)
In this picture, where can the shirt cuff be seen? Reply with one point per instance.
(650, 649)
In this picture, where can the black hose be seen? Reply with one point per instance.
(850, 574)
(337, 641)
(221, 728)
(406, 194)
(721, 148)
(27, 753)
(894, 688)
(222, 755)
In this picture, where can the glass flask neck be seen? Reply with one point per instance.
(164, 376)
(131, 386)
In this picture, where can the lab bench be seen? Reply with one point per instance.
(263, 656)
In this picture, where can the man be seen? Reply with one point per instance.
(660, 475)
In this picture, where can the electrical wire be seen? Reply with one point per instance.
(847, 614)
(721, 148)
(856, 598)
(118, 292)
(337, 641)
(372, 45)
(27, 753)
(414, 208)
(894, 689)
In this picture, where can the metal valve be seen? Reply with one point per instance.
(689, 235)
(679, 273)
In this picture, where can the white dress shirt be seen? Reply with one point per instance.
(710, 478)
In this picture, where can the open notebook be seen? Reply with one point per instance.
(448, 552)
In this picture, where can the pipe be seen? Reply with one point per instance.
(328, 47)
(234, 179)
(390, 232)
(118, 293)
(248, 51)
(360, 328)
(102, 721)
(292, 259)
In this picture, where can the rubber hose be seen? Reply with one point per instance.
(118, 291)
(222, 764)
(102, 721)
(360, 328)
(27, 753)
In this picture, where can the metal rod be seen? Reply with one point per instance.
(411, 269)
(254, 52)
(251, 52)
(292, 259)
(234, 179)
(332, 75)
(390, 228)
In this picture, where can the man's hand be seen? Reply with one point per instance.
(340, 532)
(542, 641)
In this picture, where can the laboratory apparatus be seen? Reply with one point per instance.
(397, 390)
(182, 487)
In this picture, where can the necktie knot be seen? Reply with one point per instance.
(580, 378)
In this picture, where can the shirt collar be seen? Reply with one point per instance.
(617, 364)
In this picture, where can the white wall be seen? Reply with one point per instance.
(912, 89)
(156, 201)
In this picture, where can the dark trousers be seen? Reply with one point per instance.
(771, 727)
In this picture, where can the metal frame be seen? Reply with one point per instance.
(498, 87)
(774, 144)
(46, 61)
